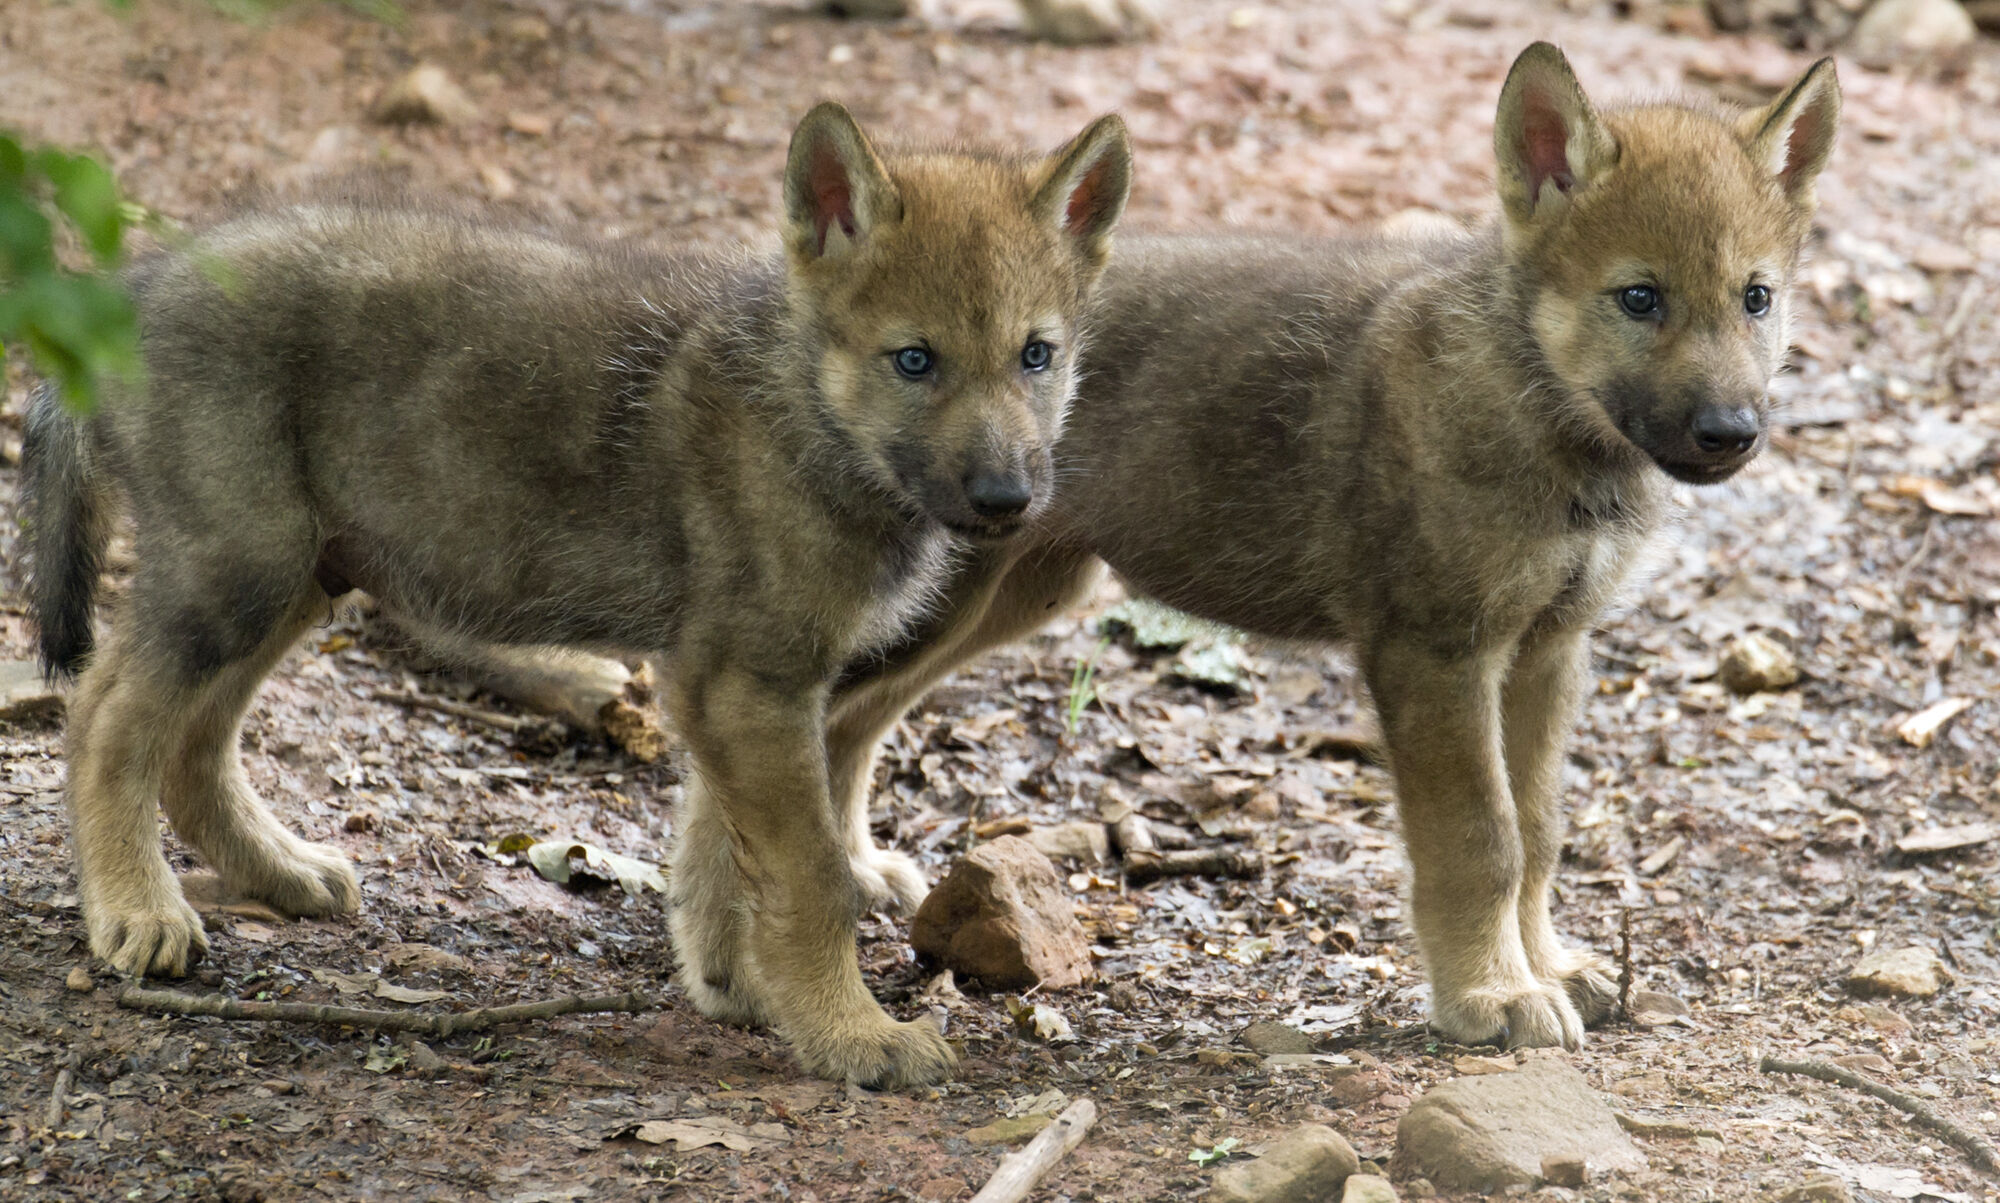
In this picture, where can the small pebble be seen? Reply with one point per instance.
(79, 980)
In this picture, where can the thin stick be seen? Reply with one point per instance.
(1143, 866)
(1625, 962)
(220, 1006)
(1020, 1172)
(65, 1078)
(1975, 1148)
(492, 718)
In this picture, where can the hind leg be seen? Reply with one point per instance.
(999, 596)
(122, 729)
(1539, 702)
(211, 805)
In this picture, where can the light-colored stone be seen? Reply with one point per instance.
(1757, 662)
(24, 695)
(1895, 30)
(1565, 1171)
(1899, 972)
(1001, 916)
(80, 981)
(1084, 842)
(1270, 1037)
(1368, 1188)
(426, 94)
(1088, 22)
(1495, 1131)
(1306, 1165)
(1822, 1189)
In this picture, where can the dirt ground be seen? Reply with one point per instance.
(1752, 843)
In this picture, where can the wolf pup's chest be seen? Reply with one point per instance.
(905, 583)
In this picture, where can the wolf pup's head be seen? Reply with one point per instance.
(1656, 248)
(943, 294)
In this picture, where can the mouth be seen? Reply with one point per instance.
(985, 530)
(1702, 472)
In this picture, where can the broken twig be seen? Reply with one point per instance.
(65, 1078)
(1975, 1148)
(1143, 865)
(509, 723)
(1020, 1172)
(221, 1006)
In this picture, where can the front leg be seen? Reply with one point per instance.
(996, 596)
(1441, 723)
(1538, 707)
(757, 749)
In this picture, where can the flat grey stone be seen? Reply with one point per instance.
(1496, 1130)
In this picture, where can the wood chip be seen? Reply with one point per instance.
(1947, 839)
(1920, 728)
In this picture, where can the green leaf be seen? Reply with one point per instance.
(88, 196)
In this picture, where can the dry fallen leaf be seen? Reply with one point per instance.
(403, 994)
(554, 859)
(707, 1130)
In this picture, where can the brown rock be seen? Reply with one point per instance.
(634, 728)
(1758, 662)
(1001, 916)
(1899, 972)
(427, 95)
(1565, 1171)
(80, 981)
(1367, 1188)
(1305, 1165)
(1824, 1188)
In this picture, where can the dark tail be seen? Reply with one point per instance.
(67, 531)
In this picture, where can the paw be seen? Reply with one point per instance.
(729, 1001)
(890, 880)
(1588, 981)
(1535, 1015)
(880, 1054)
(307, 880)
(161, 939)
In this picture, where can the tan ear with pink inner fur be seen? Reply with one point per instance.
(1547, 140)
(1793, 135)
(1086, 183)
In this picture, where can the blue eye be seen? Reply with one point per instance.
(914, 362)
(1756, 300)
(1037, 355)
(1640, 300)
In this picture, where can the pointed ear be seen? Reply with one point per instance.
(836, 189)
(1547, 138)
(1084, 186)
(1793, 136)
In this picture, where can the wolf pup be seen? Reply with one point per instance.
(1445, 451)
(754, 469)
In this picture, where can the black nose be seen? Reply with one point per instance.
(998, 494)
(1725, 431)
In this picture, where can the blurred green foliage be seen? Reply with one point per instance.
(78, 326)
